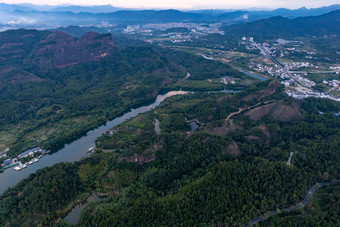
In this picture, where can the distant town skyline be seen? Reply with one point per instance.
(189, 4)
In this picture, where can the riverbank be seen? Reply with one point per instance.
(73, 212)
(77, 149)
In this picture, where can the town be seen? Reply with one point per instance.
(297, 85)
(174, 32)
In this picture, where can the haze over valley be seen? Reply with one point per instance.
(146, 114)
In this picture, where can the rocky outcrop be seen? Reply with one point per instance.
(60, 50)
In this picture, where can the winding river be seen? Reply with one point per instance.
(77, 149)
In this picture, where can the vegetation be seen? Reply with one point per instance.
(184, 178)
(230, 170)
(49, 108)
(323, 211)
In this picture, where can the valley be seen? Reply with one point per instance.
(169, 118)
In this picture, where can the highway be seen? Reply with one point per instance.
(295, 78)
(266, 52)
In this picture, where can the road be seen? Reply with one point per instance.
(296, 207)
(290, 158)
(243, 109)
(266, 52)
(294, 94)
(316, 72)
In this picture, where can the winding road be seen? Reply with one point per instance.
(296, 207)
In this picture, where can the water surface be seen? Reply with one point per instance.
(77, 149)
(73, 216)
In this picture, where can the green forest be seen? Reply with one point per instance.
(227, 172)
(219, 154)
(48, 108)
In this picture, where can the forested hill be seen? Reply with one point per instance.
(47, 49)
(57, 87)
(226, 173)
(326, 24)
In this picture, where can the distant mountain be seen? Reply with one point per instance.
(78, 31)
(249, 15)
(326, 24)
(11, 8)
(87, 9)
(52, 19)
(71, 8)
(42, 17)
(170, 15)
(302, 12)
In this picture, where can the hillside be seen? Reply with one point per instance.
(57, 87)
(60, 50)
(326, 24)
(186, 177)
(47, 49)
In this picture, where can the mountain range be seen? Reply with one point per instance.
(326, 24)
(33, 16)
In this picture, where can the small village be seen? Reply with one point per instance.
(293, 74)
(23, 160)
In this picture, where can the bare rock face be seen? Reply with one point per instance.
(60, 50)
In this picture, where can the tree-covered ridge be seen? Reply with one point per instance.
(323, 211)
(279, 26)
(228, 193)
(188, 182)
(225, 173)
(41, 195)
(57, 105)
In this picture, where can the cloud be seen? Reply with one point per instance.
(21, 21)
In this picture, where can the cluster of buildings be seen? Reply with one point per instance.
(16, 161)
(3, 154)
(225, 80)
(282, 73)
(303, 81)
(335, 69)
(333, 83)
(315, 94)
(285, 42)
(297, 65)
(204, 28)
(193, 30)
(289, 78)
(31, 152)
(273, 71)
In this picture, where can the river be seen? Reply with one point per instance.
(77, 149)
(252, 74)
(74, 215)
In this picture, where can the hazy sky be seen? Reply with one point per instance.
(188, 4)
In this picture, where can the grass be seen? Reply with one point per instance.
(335, 92)
(135, 124)
(35, 136)
(203, 85)
(6, 138)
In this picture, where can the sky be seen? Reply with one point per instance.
(189, 4)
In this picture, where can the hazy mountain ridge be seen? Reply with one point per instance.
(326, 24)
(31, 16)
